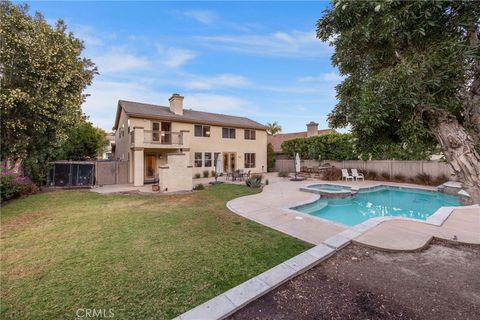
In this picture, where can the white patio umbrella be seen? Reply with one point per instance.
(218, 166)
(297, 163)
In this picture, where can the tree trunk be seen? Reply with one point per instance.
(472, 101)
(458, 148)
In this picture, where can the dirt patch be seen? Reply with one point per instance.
(440, 282)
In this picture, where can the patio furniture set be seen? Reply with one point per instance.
(239, 175)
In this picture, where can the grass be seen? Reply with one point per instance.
(142, 256)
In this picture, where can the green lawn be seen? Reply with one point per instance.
(143, 256)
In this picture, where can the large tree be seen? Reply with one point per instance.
(42, 76)
(412, 76)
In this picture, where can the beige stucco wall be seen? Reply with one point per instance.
(214, 143)
(122, 144)
(176, 175)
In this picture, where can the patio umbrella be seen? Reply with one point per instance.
(297, 163)
(218, 167)
(297, 167)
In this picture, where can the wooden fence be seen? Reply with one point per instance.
(111, 172)
(406, 168)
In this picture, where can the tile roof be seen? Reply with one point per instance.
(277, 139)
(190, 116)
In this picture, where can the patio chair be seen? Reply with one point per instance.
(345, 175)
(357, 175)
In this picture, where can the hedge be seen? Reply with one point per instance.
(331, 146)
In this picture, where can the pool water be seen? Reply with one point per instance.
(329, 187)
(387, 201)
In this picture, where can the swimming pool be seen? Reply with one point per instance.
(380, 202)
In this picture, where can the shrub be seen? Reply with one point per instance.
(199, 186)
(399, 178)
(283, 174)
(270, 158)
(423, 178)
(13, 185)
(197, 175)
(212, 173)
(371, 175)
(332, 174)
(385, 176)
(441, 179)
(206, 173)
(254, 181)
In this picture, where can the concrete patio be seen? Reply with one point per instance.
(147, 188)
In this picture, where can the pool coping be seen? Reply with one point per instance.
(232, 300)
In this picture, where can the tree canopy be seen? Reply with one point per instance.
(273, 128)
(84, 142)
(412, 77)
(43, 76)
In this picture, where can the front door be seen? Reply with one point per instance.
(150, 166)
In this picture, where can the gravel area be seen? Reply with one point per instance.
(439, 282)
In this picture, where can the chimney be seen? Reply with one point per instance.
(312, 129)
(176, 104)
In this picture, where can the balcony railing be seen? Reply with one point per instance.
(163, 137)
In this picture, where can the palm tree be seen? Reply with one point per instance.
(273, 128)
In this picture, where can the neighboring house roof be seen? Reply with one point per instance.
(277, 139)
(143, 110)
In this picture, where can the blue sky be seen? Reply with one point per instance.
(254, 59)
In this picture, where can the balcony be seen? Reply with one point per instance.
(158, 139)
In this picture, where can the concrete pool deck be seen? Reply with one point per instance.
(271, 208)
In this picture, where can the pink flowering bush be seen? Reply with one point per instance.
(13, 185)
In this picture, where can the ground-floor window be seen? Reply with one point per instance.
(249, 160)
(208, 159)
(198, 159)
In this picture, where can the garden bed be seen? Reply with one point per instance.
(440, 282)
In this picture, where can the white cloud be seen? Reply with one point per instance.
(202, 16)
(287, 44)
(174, 57)
(217, 103)
(101, 105)
(119, 60)
(223, 80)
(87, 35)
(324, 77)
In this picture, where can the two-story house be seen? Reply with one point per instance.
(174, 143)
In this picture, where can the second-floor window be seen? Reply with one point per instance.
(228, 133)
(156, 133)
(202, 131)
(249, 134)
